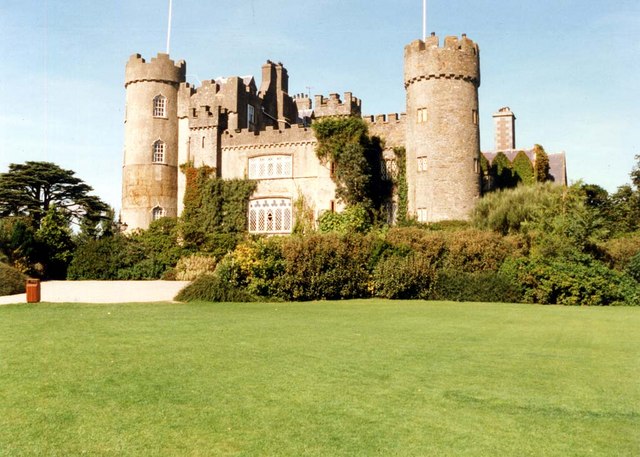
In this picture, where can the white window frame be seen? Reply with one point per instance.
(421, 214)
(270, 216)
(422, 164)
(160, 106)
(276, 166)
(159, 151)
(157, 213)
(422, 115)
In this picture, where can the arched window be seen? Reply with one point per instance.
(160, 106)
(157, 213)
(158, 151)
(270, 215)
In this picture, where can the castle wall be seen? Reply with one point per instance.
(149, 183)
(443, 139)
(391, 128)
(310, 178)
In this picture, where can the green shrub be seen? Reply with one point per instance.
(479, 286)
(104, 258)
(11, 280)
(215, 289)
(326, 266)
(403, 277)
(354, 219)
(618, 252)
(633, 267)
(193, 266)
(562, 282)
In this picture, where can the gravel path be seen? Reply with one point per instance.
(103, 292)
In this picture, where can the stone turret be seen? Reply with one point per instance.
(443, 138)
(150, 169)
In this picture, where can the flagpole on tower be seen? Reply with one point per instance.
(424, 20)
(169, 27)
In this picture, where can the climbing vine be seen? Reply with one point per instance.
(215, 209)
(344, 143)
(402, 187)
(523, 169)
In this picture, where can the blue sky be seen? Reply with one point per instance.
(567, 68)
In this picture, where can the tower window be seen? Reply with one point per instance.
(160, 106)
(157, 213)
(158, 151)
(251, 117)
(422, 115)
(474, 115)
(422, 164)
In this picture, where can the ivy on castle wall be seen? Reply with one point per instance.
(502, 172)
(541, 170)
(523, 169)
(401, 184)
(215, 209)
(345, 142)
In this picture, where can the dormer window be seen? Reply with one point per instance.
(160, 106)
(159, 148)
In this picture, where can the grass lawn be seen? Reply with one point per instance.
(364, 377)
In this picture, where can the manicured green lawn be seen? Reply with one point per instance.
(328, 379)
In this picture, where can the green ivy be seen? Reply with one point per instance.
(541, 171)
(402, 187)
(344, 141)
(215, 210)
(523, 169)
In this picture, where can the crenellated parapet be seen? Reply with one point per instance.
(459, 58)
(159, 69)
(391, 128)
(334, 106)
(269, 137)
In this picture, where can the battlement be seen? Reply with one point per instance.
(271, 136)
(458, 58)
(334, 106)
(384, 118)
(161, 68)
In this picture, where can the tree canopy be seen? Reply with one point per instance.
(32, 188)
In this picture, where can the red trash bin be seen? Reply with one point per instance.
(33, 290)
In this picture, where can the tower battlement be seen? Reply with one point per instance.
(334, 106)
(459, 58)
(161, 69)
(384, 118)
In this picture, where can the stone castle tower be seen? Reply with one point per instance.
(442, 132)
(150, 167)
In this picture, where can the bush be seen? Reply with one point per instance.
(618, 252)
(194, 266)
(557, 281)
(215, 289)
(403, 277)
(324, 267)
(482, 286)
(11, 280)
(633, 268)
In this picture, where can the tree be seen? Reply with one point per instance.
(541, 169)
(32, 188)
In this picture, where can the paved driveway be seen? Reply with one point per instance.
(103, 292)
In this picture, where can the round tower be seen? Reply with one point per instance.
(443, 136)
(150, 169)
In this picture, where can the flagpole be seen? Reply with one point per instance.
(169, 27)
(424, 20)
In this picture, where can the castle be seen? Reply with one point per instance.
(262, 133)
